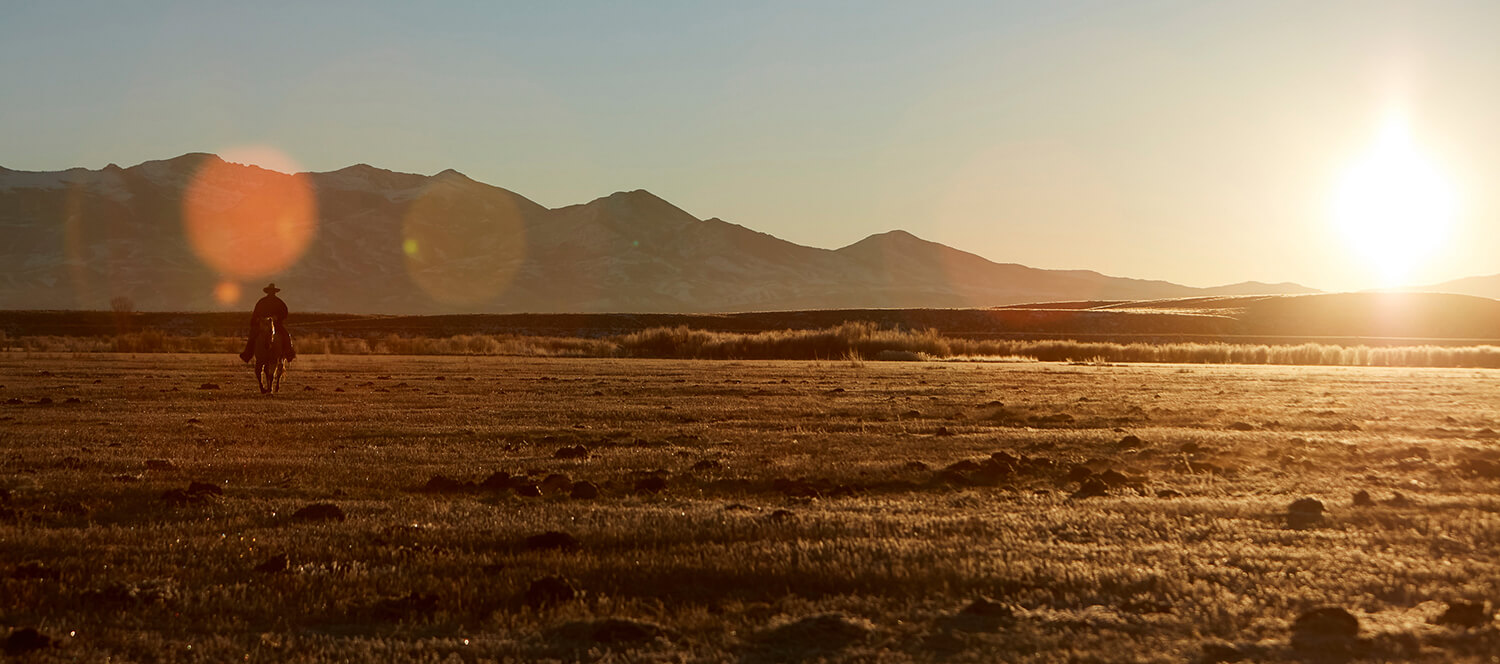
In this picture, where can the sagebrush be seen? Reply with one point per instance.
(860, 340)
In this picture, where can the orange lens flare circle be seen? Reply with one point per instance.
(248, 222)
(458, 251)
(227, 293)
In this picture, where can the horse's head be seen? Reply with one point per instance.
(269, 325)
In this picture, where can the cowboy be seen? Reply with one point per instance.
(269, 306)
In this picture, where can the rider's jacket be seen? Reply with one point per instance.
(271, 306)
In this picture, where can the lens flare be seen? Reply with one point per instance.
(79, 254)
(101, 252)
(458, 251)
(227, 293)
(248, 222)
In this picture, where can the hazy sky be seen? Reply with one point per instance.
(1197, 142)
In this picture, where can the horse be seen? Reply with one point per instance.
(268, 361)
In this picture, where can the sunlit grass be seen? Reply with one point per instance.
(857, 341)
(793, 490)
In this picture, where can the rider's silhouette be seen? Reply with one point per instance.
(269, 306)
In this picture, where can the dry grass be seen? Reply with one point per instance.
(809, 509)
(855, 341)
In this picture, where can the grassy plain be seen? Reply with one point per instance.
(748, 511)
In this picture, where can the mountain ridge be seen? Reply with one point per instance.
(1479, 286)
(401, 243)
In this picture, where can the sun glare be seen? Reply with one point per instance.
(246, 223)
(1393, 206)
(262, 156)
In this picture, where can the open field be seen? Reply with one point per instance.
(153, 508)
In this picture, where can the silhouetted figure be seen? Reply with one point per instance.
(272, 307)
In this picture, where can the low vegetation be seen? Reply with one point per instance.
(853, 340)
(157, 507)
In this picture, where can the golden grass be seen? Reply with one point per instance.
(809, 509)
(856, 341)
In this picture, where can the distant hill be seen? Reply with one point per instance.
(399, 243)
(1478, 286)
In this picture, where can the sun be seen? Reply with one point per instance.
(1394, 207)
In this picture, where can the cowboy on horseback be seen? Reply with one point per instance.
(269, 306)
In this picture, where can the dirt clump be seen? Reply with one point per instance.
(1114, 479)
(274, 565)
(1304, 513)
(980, 615)
(650, 485)
(818, 635)
(1215, 652)
(584, 490)
(1362, 499)
(548, 591)
(497, 481)
(400, 607)
(556, 483)
(1482, 468)
(34, 569)
(610, 631)
(196, 493)
(1327, 627)
(965, 466)
(25, 640)
(319, 512)
(1466, 614)
(1092, 487)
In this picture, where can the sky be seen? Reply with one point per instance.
(1339, 145)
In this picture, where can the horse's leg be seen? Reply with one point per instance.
(280, 369)
(263, 377)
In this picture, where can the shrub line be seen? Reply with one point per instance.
(855, 341)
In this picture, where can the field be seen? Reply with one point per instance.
(156, 507)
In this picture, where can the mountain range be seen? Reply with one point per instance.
(378, 241)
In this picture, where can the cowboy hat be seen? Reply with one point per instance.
(271, 288)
